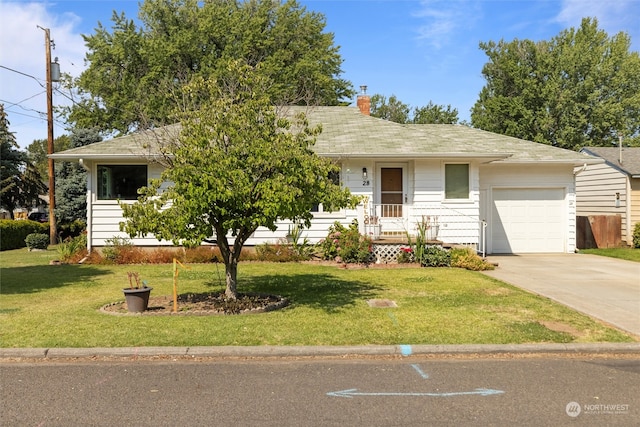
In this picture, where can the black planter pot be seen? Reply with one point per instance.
(137, 299)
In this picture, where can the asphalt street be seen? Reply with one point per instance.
(411, 391)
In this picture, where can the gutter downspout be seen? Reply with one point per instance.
(579, 171)
(629, 233)
(89, 205)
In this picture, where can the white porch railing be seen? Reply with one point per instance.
(445, 224)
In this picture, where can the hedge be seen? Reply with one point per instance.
(13, 232)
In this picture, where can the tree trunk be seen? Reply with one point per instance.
(231, 269)
(231, 256)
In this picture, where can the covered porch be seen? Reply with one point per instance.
(391, 224)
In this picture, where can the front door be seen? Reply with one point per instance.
(391, 192)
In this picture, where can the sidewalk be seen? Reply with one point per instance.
(605, 288)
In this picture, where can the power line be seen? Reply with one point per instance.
(24, 74)
(11, 104)
(27, 115)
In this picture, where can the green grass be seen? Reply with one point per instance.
(58, 306)
(628, 254)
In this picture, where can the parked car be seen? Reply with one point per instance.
(39, 216)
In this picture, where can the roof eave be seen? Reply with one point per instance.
(123, 157)
(574, 162)
(483, 156)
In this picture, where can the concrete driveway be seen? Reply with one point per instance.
(604, 288)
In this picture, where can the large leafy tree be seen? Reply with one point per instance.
(37, 152)
(394, 110)
(135, 71)
(391, 109)
(581, 88)
(20, 182)
(71, 183)
(238, 164)
(435, 114)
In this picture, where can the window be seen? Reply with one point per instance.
(456, 181)
(334, 176)
(120, 181)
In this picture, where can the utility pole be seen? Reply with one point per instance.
(52, 173)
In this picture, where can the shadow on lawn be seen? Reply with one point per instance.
(321, 291)
(31, 279)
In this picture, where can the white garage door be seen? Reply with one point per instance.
(528, 220)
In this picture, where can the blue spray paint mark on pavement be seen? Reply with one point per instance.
(405, 350)
(420, 371)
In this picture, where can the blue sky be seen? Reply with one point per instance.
(420, 51)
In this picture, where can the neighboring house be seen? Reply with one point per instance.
(612, 187)
(453, 176)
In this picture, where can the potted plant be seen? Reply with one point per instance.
(137, 294)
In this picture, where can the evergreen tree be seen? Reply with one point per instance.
(20, 183)
(71, 184)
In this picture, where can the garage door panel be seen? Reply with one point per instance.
(528, 220)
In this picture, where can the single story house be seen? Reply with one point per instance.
(611, 187)
(495, 193)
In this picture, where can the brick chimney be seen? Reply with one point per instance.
(364, 101)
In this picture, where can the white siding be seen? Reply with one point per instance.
(106, 215)
(634, 209)
(425, 188)
(460, 219)
(596, 189)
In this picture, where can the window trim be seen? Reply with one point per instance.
(444, 183)
(96, 183)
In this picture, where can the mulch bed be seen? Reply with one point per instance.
(203, 305)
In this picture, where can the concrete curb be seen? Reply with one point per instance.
(321, 351)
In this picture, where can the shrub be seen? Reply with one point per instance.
(468, 259)
(636, 235)
(278, 252)
(156, 256)
(420, 246)
(405, 256)
(71, 229)
(299, 244)
(120, 250)
(13, 232)
(73, 249)
(202, 254)
(346, 244)
(436, 256)
(37, 241)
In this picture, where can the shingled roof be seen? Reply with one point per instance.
(630, 157)
(348, 133)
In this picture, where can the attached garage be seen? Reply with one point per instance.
(528, 220)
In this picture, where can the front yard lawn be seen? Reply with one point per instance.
(44, 305)
(628, 254)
